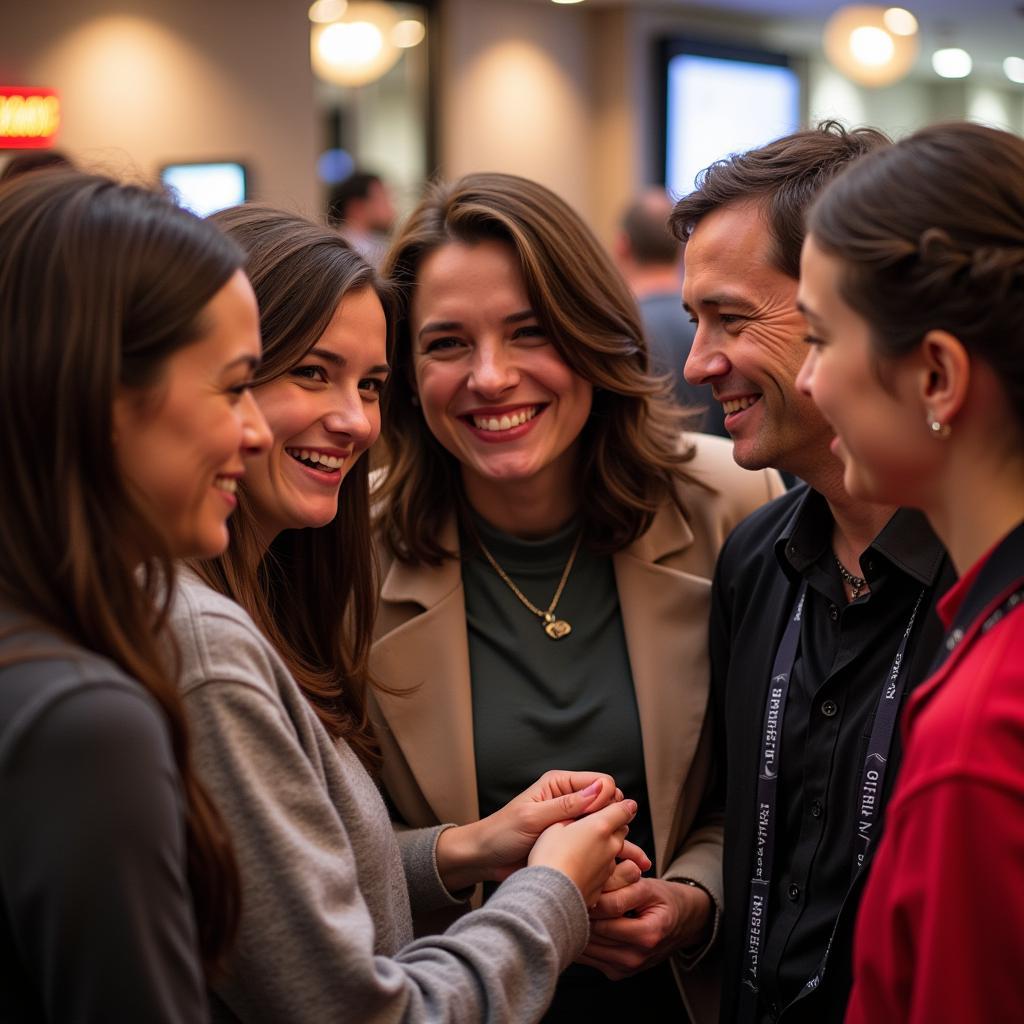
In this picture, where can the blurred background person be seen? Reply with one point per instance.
(650, 259)
(912, 281)
(362, 208)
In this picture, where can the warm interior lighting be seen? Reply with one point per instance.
(952, 62)
(356, 42)
(567, 1)
(900, 22)
(359, 47)
(860, 44)
(1013, 68)
(873, 46)
(408, 33)
(323, 12)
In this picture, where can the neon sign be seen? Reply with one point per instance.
(29, 118)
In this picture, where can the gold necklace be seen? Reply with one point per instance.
(555, 628)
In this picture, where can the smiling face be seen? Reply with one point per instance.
(881, 438)
(493, 387)
(323, 412)
(180, 443)
(749, 342)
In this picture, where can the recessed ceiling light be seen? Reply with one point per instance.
(900, 21)
(952, 62)
(325, 11)
(871, 45)
(1013, 68)
(567, 1)
(408, 33)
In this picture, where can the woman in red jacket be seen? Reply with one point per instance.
(913, 284)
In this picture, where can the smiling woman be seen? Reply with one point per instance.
(549, 535)
(129, 339)
(275, 687)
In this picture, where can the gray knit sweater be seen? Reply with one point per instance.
(328, 887)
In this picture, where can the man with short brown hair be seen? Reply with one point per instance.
(822, 606)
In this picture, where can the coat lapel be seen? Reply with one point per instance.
(432, 720)
(664, 615)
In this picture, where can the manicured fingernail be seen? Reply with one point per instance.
(592, 789)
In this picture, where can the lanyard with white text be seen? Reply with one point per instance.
(871, 782)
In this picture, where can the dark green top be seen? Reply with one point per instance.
(540, 703)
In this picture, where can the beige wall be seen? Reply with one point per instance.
(146, 82)
(514, 93)
(564, 94)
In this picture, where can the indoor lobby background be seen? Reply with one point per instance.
(571, 94)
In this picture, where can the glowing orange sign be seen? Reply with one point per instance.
(29, 118)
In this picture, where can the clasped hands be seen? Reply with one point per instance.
(575, 822)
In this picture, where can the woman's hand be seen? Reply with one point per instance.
(491, 849)
(586, 850)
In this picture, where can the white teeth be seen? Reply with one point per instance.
(507, 421)
(738, 404)
(226, 483)
(320, 459)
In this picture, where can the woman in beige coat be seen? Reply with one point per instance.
(548, 536)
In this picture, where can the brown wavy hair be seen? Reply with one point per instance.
(313, 592)
(931, 235)
(630, 460)
(99, 284)
(784, 176)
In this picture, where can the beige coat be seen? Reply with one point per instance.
(664, 583)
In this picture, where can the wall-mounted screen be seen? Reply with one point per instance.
(205, 188)
(718, 102)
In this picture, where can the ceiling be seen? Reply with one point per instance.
(989, 30)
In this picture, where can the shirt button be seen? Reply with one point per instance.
(816, 809)
(829, 708)
(794, 893)
(833, 612)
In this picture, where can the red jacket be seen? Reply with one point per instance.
(940, 935)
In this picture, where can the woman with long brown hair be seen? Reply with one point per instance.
(129, 335)
(275, 636)
(550, 535)
(912, 280)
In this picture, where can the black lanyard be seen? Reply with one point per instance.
(871, 785)
(959, 641)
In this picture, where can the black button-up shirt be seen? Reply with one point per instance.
(846, 651)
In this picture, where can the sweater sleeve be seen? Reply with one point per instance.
(427, 891)
(938, 936)
(93, 863)
(305, 951)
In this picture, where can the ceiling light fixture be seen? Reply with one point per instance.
(900, 22)
(323, 12)
(861, 43)
(952, 62)
(357, 48)
(408, 33)
(1013, 68)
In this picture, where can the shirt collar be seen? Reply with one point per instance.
(907, 541)
(987, 580)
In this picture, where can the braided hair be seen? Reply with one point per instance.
(931, 235)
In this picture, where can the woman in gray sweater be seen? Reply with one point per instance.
(275, 636)
(129, 333)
